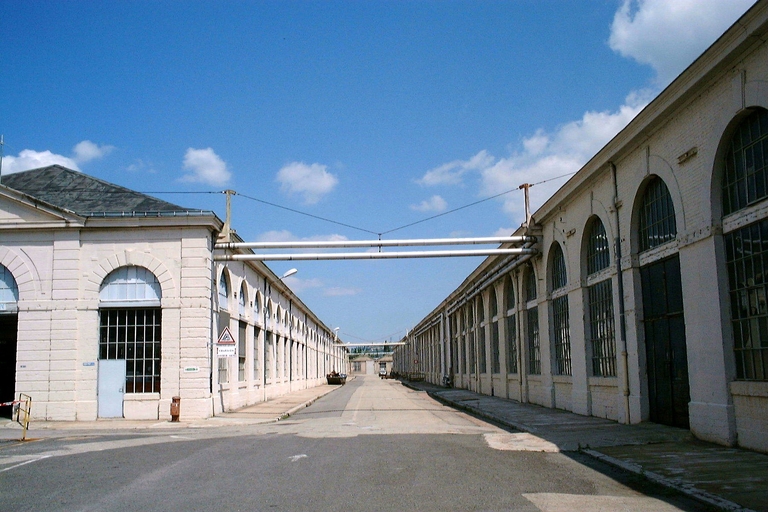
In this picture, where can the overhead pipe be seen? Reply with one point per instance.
(373, 255)
(339, 244)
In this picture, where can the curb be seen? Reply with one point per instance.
(682, 487)
(687, 489)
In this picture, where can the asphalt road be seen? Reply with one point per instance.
(371, 445)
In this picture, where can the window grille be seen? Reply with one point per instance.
(745, 180)
(747, 260)
(495, 350)
(511, 344)
(530, 283)
(601, 329)
(241, 339)
(559, 277)
(135, 336)
(256, 368)
(481, 348)
(562, 335)
(598, 254)
(534, 352)
(268, 355)
(657, 216)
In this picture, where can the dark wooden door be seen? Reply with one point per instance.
(8, 330)
(665, 346)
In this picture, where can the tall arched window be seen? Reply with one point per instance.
(560, 318)
(657, 216)
(224, 291)
(130, 326)
(601, 336)
(470, 326)
(495, 349)
(482, 354)
(746, 248)
(509, 294)
(242, 299)
(532, 322)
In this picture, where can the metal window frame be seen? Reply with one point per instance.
(121, 338)
(561, 336)
(602, 332)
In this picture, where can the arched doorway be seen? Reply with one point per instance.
(663, 320)
(9, 297)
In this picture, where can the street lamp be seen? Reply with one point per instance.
(289, 273)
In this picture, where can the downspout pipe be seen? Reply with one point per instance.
(622, 306)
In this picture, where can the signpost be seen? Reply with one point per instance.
(226, 346)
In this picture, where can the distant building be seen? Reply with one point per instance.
(111, 303)
(648, 300)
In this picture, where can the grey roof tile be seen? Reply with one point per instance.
(83, 194)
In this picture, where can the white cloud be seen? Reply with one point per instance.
(31, 159)
(546, 155)
(452, 173)
(669, 34)
(433, 204)
(86, 151)
(27, 159)
(205, 166)
(311, 182)
(341, 292)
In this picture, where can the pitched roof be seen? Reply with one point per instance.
(84, 195)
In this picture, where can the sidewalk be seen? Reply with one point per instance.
(274, 409)
(731, 478)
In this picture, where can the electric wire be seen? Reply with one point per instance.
(381, 233)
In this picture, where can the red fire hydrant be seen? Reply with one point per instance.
(175, 408)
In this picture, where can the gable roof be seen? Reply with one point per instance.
(85, 195)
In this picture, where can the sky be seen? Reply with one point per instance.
(342, 120)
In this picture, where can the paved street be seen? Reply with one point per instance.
(370, 445)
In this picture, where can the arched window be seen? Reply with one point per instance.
(602, 340)
(530, 283)
(744, 181)
(256, 305)
(9, 291)
(470, 327)
(130, 326)
(657, 216)
(224, 291)
(482, 358)
(532, 322)
(509, 293)
(560, 316)
(746, 248)
(559, 276)
(241, 301)
(598, 253)
(495, 349)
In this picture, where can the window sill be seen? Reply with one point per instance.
(128, 397)
(749, 388)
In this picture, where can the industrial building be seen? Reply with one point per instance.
(647, 300)
(113, 302)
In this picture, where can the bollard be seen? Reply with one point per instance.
(175, 408)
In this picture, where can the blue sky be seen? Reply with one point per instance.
(375, 114)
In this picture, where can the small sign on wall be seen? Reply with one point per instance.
(225, 345)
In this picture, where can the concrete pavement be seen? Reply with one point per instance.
(272, 410)
(730, 478)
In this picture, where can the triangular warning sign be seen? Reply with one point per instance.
(226, 337)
